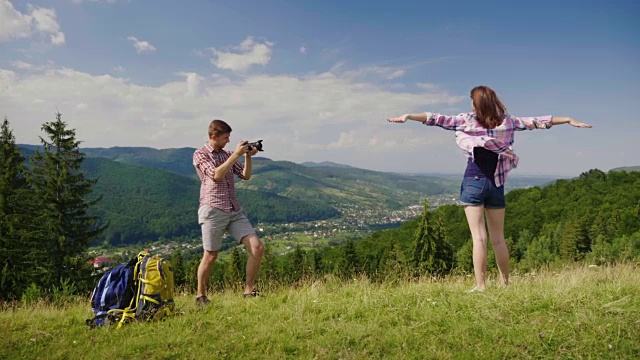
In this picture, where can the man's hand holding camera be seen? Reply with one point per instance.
(249, 148)
(244, 147)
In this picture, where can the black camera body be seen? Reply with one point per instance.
(255, 144)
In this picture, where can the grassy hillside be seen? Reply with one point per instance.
(575, 313)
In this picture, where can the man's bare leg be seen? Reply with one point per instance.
(255, 248)
(204, 271)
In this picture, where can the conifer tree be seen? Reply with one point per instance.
(63, 197)
(575, 242)
(432, 254)
(235, 273)
(19, 250)
(297, 270)
(178, 267)
(351, 263)
(269, 267)
(393, 260)
(316, 256)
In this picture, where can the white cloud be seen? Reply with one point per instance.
(119, 69)
(21, 65)
(193, 81)
(314, 117)
(242, 57)
(303, 49)
(37, 21)
(141, 45)
(107, 1)
(369, 73)
(387, 73)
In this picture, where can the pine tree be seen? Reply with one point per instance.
(178, 266)
(297, 270)
(443, 257)
(269, 267)
(191, 275)
(317, 262)
(392, 260)
(235, 273)
(432, 254)
(63, 194)
(19, 250)
(351, 263)
(575, 242)
(420, 237)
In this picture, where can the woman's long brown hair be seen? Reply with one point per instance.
(488, 108)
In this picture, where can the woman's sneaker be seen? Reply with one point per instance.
(202, 301)
(253, 293)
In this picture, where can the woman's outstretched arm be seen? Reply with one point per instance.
(448, 122)
(422, 117)
(544, 122)
(567, 120)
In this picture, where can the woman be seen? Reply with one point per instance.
(486, 135)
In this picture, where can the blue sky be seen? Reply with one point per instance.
(316, 80)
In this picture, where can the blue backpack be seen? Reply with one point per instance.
(115, 291)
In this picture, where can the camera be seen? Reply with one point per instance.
(255, 144)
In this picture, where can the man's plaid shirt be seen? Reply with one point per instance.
(218, 194)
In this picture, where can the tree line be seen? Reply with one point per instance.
(46, 227)
(593, 218)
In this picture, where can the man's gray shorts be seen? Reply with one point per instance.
(214, 222)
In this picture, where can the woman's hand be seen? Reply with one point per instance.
(578, 124)
(399, 119)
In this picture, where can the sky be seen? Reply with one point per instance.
(316, 80)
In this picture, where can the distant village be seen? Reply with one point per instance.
(355, 220)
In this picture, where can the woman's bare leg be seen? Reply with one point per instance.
(475, 218)
(495, 222)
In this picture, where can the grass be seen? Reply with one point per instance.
(575, 313)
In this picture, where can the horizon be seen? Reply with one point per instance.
(434, 173)
(317, 81)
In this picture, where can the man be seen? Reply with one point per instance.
(219, 210)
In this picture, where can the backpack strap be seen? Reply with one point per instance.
(130, 311)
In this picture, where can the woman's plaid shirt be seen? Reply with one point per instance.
(470, 134)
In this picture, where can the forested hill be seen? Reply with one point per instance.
(150, 194)
(327, 182)
(174, 160)
(627, 168)
(145, 203)
(596, 215)
(346, 185)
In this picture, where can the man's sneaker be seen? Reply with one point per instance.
(253, 293)
(202, 301)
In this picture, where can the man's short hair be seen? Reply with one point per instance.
(218, 127)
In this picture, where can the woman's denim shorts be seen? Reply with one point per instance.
(477, 190)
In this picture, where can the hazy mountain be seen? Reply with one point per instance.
(627, 168)
(325, 164)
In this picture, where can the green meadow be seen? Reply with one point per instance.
(576, 312)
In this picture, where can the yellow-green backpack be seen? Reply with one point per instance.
(155, 298)
(154, 291)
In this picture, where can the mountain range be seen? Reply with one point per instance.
(149, 194)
